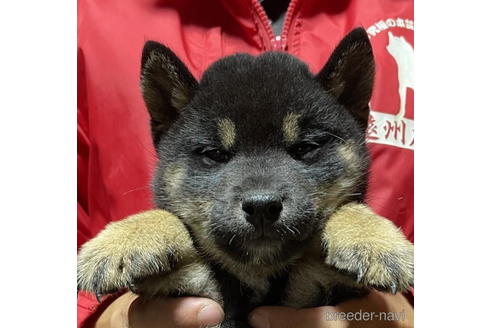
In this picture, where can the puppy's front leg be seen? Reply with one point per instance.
(151, 252)
(370, 247)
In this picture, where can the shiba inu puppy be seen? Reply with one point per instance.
(259, 187)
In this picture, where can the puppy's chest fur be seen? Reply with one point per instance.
(300, 280)
(240, 297)
(246, 284)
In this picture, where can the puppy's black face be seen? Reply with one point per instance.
(260, 152)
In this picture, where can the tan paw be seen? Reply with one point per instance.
(370, 248)
(127, 251)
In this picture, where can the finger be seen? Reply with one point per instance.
(180, 312)
(285, 317)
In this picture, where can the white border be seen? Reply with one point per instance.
(453, 165)
(38, 164)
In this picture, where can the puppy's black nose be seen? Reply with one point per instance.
(262, 208)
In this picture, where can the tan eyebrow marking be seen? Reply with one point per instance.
(227, 132)
(290, 127)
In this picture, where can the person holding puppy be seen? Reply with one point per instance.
(111, 189)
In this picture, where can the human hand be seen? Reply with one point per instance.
(131, 311)
(396, 308)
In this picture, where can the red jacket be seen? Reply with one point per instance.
(115, 152)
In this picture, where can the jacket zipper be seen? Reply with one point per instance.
(277, 42)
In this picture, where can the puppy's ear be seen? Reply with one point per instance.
(349, 74)
(167, 86)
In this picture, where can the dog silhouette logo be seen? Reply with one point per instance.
(402, 52)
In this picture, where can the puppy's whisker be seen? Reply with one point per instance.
(336, 136)
(297, 230)
(293, 232)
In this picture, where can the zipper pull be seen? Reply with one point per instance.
(279, 43)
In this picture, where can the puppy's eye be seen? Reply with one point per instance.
(300, 150)
(216, 155)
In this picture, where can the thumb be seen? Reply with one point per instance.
(285, 317)
(175, 312)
